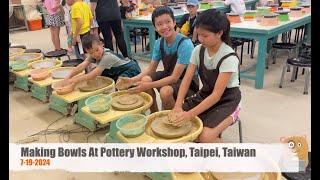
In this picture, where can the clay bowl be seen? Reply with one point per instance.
(270, 20)
(233, 18)
(306, 8)
(39, 74)
(63, 87)
(296, 12)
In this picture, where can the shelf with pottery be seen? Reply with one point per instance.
(149, 137)
(69, 103)
(112, 114)
(22, 81)
(42, 89)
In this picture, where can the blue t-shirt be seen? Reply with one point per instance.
(184, 51)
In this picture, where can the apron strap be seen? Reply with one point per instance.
(162, 45)
(201, 57)
(225, 57)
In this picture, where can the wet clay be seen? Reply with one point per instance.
(95, 84)
(43, 64)
(162, 129)
(61, 73)
(127, 102)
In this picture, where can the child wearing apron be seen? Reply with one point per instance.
(174, 50)
(216, 103)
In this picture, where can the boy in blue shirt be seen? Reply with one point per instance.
(174, 50)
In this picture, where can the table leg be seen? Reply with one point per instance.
(307, 33)
(261, 59)
(127, 39)
(152, 38)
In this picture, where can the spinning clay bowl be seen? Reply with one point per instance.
(96, 83)
(39, 74)
(63, 87)
(132, 125)
(61, 73)
(156, 128)
(99, 103)
(127, 102)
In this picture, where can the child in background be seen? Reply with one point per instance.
(174, 50)
(55, 20)
(81, 19)
(236, 6)
(217, 102)
(108, 63)
(188, 20)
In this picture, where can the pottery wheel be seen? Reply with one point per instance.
(127, 102)
(167, 131)
(13, 51)
(95, 84)
(24, 57)
(60, 74)
(44, 64)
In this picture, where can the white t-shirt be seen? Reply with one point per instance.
(236, 6)
(228, 65)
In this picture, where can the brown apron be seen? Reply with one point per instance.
(169, 62)
(228, 103)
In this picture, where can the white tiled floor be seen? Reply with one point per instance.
(267, 114)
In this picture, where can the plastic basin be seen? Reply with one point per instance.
(132, 125)
(19, 65)
(99, 103)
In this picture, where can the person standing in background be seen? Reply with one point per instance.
(236, 6)
(55, 20)
(94, 26)
(109, 18)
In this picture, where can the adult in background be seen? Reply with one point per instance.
(109, 18)
(55, 20)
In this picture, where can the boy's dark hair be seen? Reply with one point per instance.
(160, 11)
(214, 21)
(88, 40)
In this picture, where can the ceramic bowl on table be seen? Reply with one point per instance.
(296, 12)
(270, 20)
(274, 7)
(261, 11)
(233, 18)
(286, 4)
(306, 8)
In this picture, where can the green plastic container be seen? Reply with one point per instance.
(283, 16)
(99, 103)
(19, 65)
(132, 125)
(249, 14)
(205, 5)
